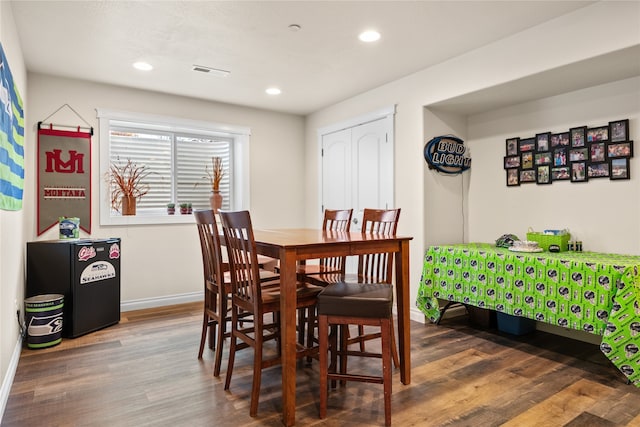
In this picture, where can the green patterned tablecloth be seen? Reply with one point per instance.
(588, 291)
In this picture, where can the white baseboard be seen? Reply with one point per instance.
(417, 315)
(7, 382)
(160, 301)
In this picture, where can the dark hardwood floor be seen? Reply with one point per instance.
(144, 372)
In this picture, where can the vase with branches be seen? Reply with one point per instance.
(215, 177)
(216, 173)
(127, 185)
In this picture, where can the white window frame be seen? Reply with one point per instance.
(241, 167)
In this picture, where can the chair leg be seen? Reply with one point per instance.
(215, 323)
(232, 356)
(394, 347)
(311, 323)
(342, 350)
(222, 329)
(257, 371)
(213, 327)
(203, 336)
(300, 327)
(386, 333)
(323, 337)
(333, 347)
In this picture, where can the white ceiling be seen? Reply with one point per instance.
(321, 64)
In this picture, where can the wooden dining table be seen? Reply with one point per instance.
(290, 246)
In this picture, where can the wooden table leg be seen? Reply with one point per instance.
(402, 302)
(288, 334)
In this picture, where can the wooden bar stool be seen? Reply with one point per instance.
(372, 268)
(343, 304)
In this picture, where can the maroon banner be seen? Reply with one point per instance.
(64, 178)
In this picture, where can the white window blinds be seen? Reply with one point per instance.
(178, 165)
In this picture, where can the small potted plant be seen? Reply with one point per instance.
(189, 208)
(171, 208)
(127, 185)
(183, 208)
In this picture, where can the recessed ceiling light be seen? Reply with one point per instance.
(369, 36)
(295, 27)
(142, 66)
(273, 91)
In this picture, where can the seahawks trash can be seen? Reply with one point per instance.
(43, 316)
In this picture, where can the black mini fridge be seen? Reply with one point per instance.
(86, 272)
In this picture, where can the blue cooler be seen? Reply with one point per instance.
(515, 325)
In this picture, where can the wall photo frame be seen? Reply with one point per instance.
(560, 157)
(620, 149)
(578, 136)
(528, 175)
(579, 172)
(513, 177)
(619, 130)
(527, 160)
(577, 155)
(560, 174)
(511, 162)
(542, 141)
(560, 139)
(598, 134)
(619, 168)
(598, 170)
(543, 175)
(543, 158)
(512, 146)
(528, 144)
(597, 151)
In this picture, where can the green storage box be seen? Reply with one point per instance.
(546, 240)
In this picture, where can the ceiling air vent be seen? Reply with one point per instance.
(213, 71)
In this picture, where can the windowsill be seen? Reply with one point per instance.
(147, 219)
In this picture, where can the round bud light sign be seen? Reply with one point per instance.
(447, 154)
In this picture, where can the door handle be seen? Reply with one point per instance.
(355, 220)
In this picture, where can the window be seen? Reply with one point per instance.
(177, 154)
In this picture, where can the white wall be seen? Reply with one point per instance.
(602, 213)
(12, 225)
(431, 211)
(164, 261)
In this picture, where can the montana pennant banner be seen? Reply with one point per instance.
(11, 140)
(64, 178)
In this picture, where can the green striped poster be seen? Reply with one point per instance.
(11, 140)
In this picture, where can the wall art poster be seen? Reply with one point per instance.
(11, 140)
(64, 178)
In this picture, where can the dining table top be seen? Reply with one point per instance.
(298, 236)
(308, 241)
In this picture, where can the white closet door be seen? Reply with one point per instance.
(372, 168)
(357, 171)
(336, 170)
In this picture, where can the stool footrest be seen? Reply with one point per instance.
(359, 353)
(352, 377)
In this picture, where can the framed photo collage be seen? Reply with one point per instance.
(580, 154)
